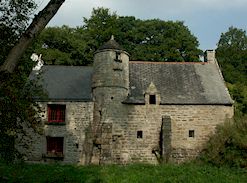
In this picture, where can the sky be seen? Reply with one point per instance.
(206, 19)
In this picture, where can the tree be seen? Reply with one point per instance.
(34, 29)
(13, 21)
(232, 55)
(17, 105)
(153, 40)
(234, 38)
(165, 41)
(17, 109)
(62, 46)
(150, 40)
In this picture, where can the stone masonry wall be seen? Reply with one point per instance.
(202, 119)
(78, 116)
(113, 120)
(121, 124)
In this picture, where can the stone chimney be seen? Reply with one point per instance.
(209, 56)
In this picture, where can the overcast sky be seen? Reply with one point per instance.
(206, 19)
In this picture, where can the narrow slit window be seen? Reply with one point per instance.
(152, 99)
(139, 134)
(118, 57)
(192, 133)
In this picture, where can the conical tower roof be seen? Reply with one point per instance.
(111, 44)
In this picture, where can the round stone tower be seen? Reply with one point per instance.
(110, 85)
(111, 71)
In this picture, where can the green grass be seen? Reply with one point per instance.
(120, 174)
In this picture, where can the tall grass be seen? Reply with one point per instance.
(120, 174)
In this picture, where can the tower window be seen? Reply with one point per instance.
(152, 99)
(139, 134)
(118, 57)
(191, 133)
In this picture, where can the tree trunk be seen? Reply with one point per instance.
(37, 25)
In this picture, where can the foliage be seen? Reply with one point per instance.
(17, 105)
(232, 54)
(17, 109)
(232, 57)
(228, 146)
(116, 173)
(62, 46)
(152, 40)
(14, 16)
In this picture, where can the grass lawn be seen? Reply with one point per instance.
(120, 173)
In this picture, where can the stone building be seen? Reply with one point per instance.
(122, 111)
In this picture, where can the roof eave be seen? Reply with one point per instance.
(64, 100)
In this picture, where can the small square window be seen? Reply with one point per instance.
(56, 113)
(152, 99)
(139, 134)
(54, 146)
(191, 133)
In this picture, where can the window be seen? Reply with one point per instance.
(56, 113)
(139, 134)
(118, 57)
(152, 99)
(54, 146)
(191, 133)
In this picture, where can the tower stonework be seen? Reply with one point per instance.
(110, 85)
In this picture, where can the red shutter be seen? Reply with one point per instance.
(56, 113)
(49, 113)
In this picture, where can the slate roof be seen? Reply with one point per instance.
(111, 44)
(66, 83)
(178, 83)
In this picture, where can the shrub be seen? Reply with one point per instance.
(228, 146)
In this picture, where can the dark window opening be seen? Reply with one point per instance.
(191, 133)
(152, 99)
(56, 113)
(139, 134)
(118, 57)
(54, 146)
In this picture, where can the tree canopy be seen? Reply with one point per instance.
(62, 46)
(148, 40)
(232, 57)
(17, 105)
(14, 18)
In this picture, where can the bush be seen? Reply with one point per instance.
(228, 146)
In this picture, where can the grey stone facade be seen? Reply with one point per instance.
(73, 131)
(122, 111)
